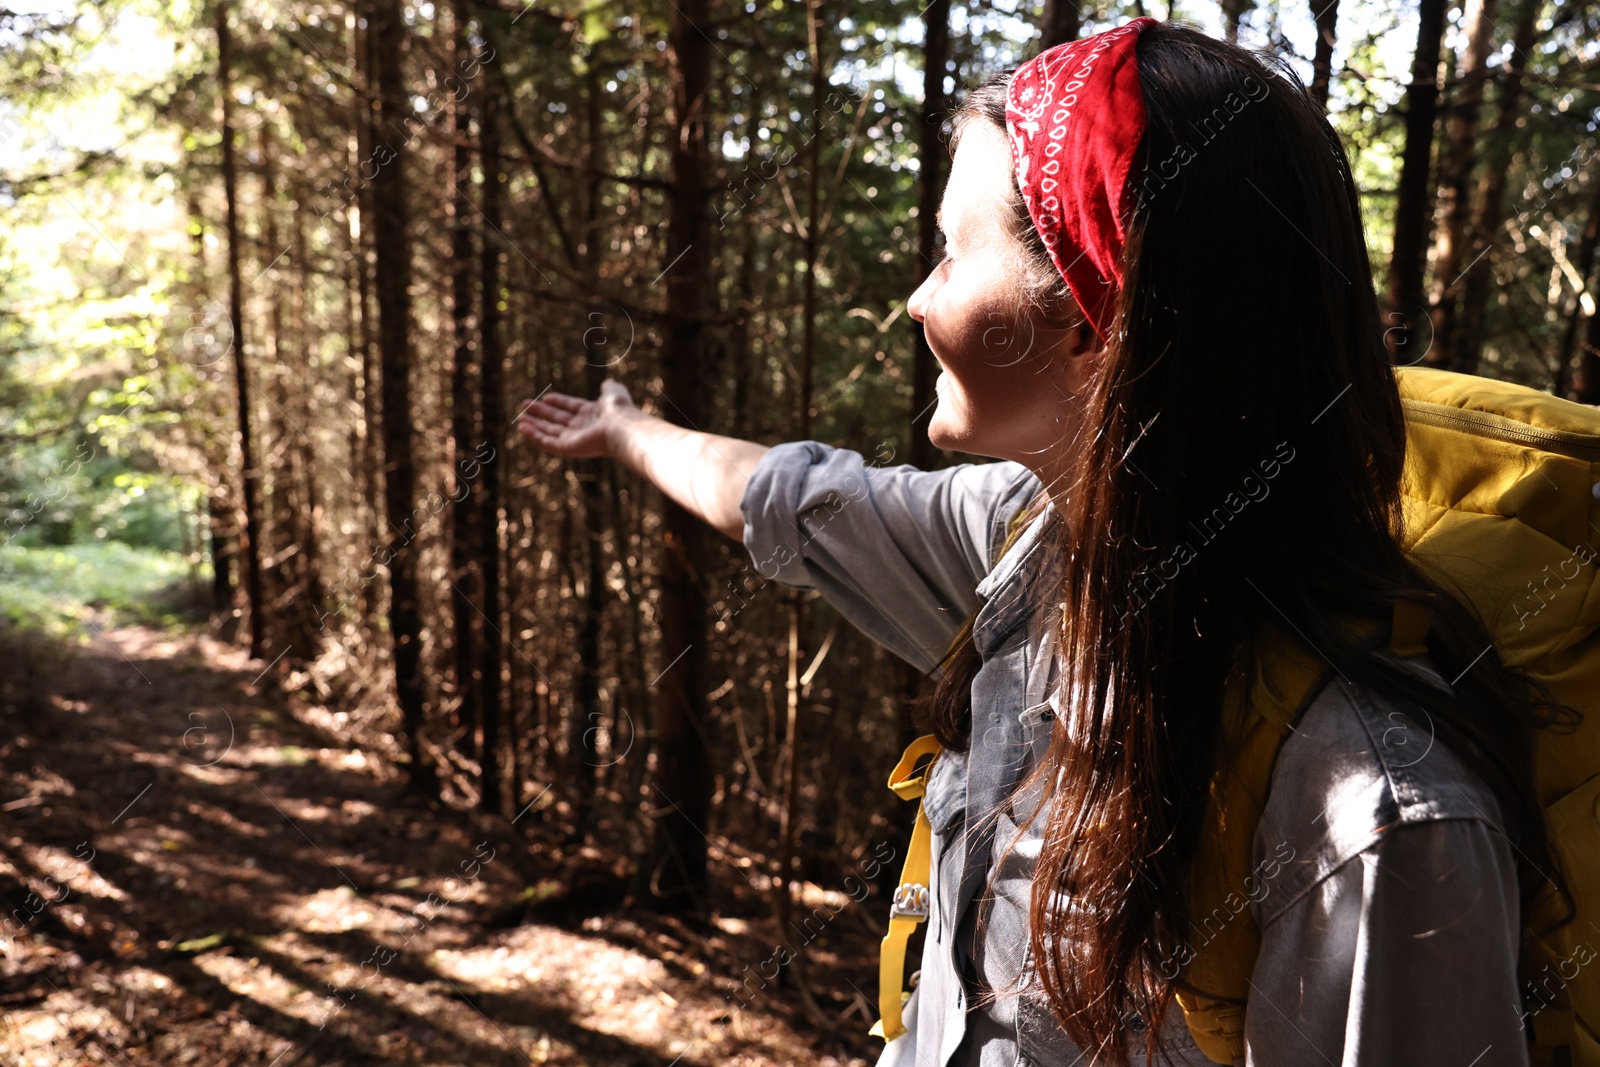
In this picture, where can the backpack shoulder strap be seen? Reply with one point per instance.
(1260, 704)
(908, 780)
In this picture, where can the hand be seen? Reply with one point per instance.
(574, 428)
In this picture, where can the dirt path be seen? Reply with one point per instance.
(196, 870)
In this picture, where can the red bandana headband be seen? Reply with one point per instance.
(1074, 116)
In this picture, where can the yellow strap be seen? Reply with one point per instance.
(1259, 709)
(1552, 1024)
(910, 905)
(908, 784)
(901, 781)
(1260, 700)
(1409, 630)
(1217, 1026)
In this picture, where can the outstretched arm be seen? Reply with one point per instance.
(704, 473)
(897, 550)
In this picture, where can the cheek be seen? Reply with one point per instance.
(992, 395)
(970, 321)
(983, 344)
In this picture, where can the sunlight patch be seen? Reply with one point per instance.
(332, 911)
(612, 990)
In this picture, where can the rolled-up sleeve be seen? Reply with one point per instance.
(898, 551)
(1407, 953)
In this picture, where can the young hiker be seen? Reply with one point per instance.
(1156, 312)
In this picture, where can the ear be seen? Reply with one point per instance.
(1085, 351)
(1082, 340)
(1065, 316)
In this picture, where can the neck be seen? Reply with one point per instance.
(1053, 474)
(1053, 463)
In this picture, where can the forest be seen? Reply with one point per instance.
(343, 726)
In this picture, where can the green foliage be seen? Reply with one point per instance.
(68, 590)
(63, 490)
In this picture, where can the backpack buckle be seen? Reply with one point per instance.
(910, 901)
(1037, 715)
(1408, 631)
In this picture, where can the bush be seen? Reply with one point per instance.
(57, 589)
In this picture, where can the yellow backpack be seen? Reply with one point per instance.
(1501, 502)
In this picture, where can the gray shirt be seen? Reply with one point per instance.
(1391, 925)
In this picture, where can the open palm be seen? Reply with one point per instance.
(571, 426)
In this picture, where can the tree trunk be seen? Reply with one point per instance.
(620, 731)
(587, 717)
(931, 160)
(1586, 381)
(491, 409)
(812, 244)
(1061, 22)
(1233, 13)
(463, 414)
(250, 550)
(219, 523)
(278, 504)
(299, 469)
(565, 577)
(1489, 212)
(1406, 339)
(1325, 13)
(639, 737)
(598, 345)
(292, 582)
(673, 874)
(1460, 155)
(393, 283)
(362, 215)
(309, 645)
(907, 683)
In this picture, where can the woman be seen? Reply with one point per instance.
(1156, 312)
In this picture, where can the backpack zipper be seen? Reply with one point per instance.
(1565, 442)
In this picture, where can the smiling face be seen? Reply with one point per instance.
(1011, 371)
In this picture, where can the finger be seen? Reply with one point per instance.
(565, 402)
(532, 421)
(612, 386)
(540, 409)
(544, 426)
(534, 434)
(549, 426)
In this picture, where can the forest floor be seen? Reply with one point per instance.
(196, 869)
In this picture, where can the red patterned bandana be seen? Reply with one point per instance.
(1074, 116)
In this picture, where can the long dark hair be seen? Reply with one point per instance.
(1245, 365)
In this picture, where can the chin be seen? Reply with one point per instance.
(952, 428)
(947, 434)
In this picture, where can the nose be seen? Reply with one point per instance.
(917, 306)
